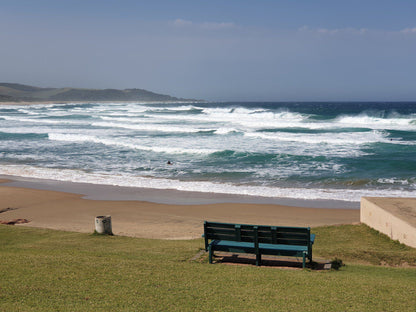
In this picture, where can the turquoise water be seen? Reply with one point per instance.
(336, 151)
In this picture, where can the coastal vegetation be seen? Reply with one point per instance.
(14, 92)
(46, 270)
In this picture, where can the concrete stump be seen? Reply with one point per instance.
(103, 225)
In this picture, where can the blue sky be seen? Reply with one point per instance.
(215, 50)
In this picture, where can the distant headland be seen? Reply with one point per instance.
(14, 92)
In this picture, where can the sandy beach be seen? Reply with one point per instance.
(71, 212)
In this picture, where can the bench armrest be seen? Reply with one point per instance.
(312, 238)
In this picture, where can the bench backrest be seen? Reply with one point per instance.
(282, 235)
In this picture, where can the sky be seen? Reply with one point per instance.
(218, 50)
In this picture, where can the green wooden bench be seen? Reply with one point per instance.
(258, 240)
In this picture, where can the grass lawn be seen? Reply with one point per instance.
(45, 270)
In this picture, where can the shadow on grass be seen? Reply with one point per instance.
(272, 262)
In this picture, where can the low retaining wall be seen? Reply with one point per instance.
(395, 217)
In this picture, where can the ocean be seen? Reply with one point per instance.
(328, 151)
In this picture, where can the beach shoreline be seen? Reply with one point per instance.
(70, 211)
(165, 196)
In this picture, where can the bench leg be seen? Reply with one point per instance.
(258, 259)
(303, 263)
(210, 252)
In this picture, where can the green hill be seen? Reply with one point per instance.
(13, 92)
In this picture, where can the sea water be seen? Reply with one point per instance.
(335, 151)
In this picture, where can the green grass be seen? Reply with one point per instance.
(44, 270)
(361, 244)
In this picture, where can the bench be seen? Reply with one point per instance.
(259, 240)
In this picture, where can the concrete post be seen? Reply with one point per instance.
(103, 225)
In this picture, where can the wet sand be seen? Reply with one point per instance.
(71, 212)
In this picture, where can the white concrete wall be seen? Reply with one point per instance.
(385, 222)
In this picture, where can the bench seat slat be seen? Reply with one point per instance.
(283, 242)
(303, 236)
(288, 229)
(223, 243)
(229, 237)
(221, 225)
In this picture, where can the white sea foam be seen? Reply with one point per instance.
(152, 127)
(364, 121)
(254, 118)
(28, 111)
(22, 130)
(354, 138)
(351, 195)
(241, 118)
(132, 120)
(44, 121)
(390, 181)
(264, 119)
(171, 108)
(126, 143)
(225, 130)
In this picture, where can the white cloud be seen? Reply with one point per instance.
(354, 31)
(333, 31)
(205, 25)
(181, 22)
(327, 31)
(409, 30)
(216, 26)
